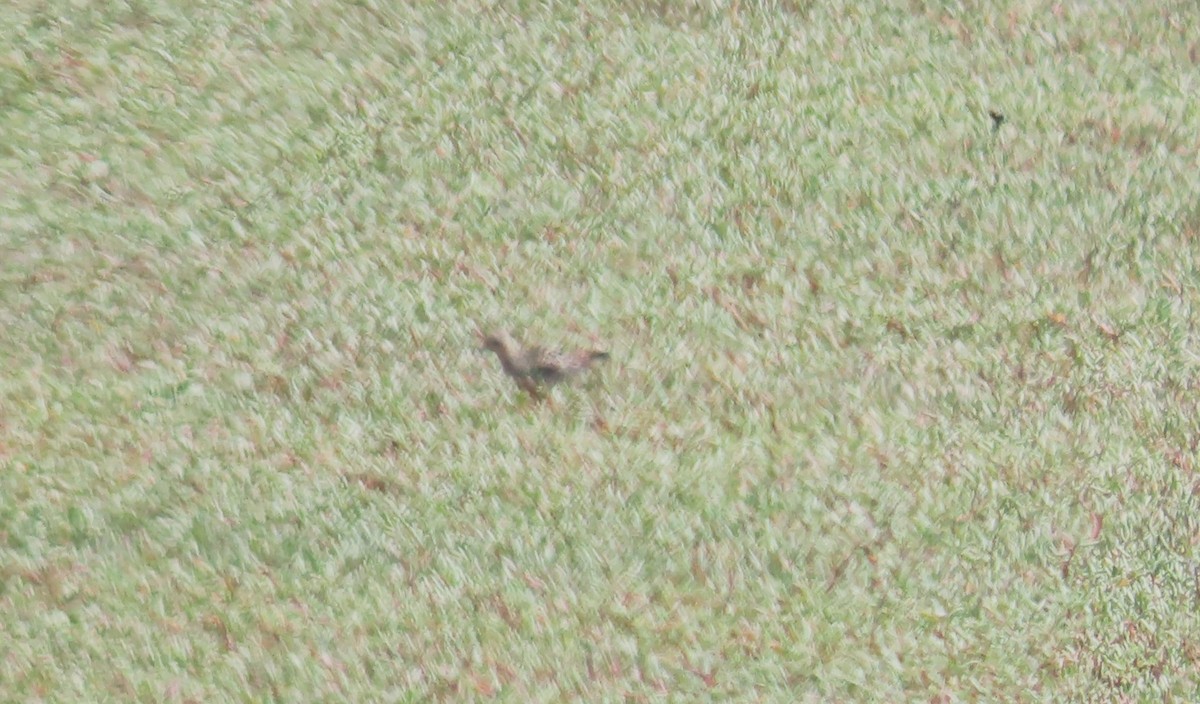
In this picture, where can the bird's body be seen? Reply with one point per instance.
(534, 368)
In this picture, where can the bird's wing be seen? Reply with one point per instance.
(548, 365)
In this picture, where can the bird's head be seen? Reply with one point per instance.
(498, 342)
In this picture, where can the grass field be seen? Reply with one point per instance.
(904, 404)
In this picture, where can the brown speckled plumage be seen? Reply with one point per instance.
(536, 368)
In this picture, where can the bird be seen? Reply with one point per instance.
(536, 368)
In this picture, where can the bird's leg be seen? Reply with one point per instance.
(528, 386)
(541, 395)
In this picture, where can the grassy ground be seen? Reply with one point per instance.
(903, 405)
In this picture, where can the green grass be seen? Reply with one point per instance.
(902, 407)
